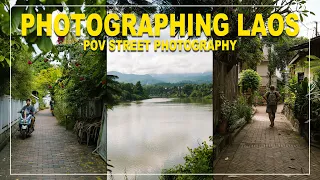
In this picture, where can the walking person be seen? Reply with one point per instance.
(272, 97)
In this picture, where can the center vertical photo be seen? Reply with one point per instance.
(160, 117)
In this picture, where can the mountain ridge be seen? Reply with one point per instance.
(145, 79)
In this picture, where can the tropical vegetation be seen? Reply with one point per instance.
(180, 90)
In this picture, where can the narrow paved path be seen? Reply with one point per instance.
(50, 150)
(259, 149)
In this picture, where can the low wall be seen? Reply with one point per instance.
(290, 116)
(5, 136)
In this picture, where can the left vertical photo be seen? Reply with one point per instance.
(52, 94)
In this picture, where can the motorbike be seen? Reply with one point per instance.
(25, 124)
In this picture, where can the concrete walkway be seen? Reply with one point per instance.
(259, 149)
(50, 150)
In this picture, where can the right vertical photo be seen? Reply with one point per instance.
(266, 99)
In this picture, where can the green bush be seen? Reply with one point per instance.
(243, 109)
(291, 92)
(200, 160)
(259, 99)
(315, 103)
(301, 103)
(42, 106)
(229, 112)
(234, 111)
(249, 80)
(282, 90)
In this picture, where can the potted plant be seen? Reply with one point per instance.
(250, 82)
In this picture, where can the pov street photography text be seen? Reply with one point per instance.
(114, 25)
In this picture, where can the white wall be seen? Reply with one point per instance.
(16, 106)
(46, 100)
(262, 68)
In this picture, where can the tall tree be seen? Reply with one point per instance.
(280, 46)
(138, 89)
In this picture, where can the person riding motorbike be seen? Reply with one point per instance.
(30, 109)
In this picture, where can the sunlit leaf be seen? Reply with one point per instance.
(8, 61)
(16, 18)
(313, 57)
(1, 58)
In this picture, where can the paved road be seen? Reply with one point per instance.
(260, 149)
(50, 150)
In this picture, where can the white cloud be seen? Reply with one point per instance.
(159, 62)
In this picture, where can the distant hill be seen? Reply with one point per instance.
(134, 78)
(192, 78)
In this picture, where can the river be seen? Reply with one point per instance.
(146, 136)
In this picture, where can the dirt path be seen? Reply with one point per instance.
(50, 150)
(259, 149)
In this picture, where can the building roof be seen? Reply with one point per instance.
(314, 49)
(305, 45)
(298, 56)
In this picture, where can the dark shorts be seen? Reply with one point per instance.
(271, 109)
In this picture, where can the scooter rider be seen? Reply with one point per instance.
(30, 109)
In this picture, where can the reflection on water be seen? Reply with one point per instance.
(153, 134)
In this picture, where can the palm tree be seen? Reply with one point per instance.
(112, 89)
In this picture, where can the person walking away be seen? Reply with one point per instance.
(51, 106)
(272, 97)
(30, 109)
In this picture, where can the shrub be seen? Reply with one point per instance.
(42, 106)
(300, 108)
(200, 160)
(243, 109)
(235, 111)
(259, 100)
(315, 103)
(249, 80)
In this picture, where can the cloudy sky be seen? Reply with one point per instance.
(307, 27)
(183, 62)
(186, 62)
(159, 62)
